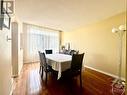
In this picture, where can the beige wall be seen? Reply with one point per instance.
(99, 44)
(5, 63)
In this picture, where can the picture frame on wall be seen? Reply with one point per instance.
(5, 21)
(5, 18)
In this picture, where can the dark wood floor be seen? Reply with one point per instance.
(30, 83)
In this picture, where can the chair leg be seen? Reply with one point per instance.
(81, 81)
(41, 72)
(46, 77)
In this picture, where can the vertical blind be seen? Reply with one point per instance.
(40, 39)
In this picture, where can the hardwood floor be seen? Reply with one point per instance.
(30, 83)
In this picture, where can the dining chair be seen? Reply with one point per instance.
(41, 62)
(48, 51)
(73, 52)
(46, 67)
(65, 51)
(76, 67)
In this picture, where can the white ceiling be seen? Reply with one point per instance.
(66, 14)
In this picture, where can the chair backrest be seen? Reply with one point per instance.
(66, 52)
(41, 62)
(48, 51)
(76, 63)
(44, 61)
(73, 52)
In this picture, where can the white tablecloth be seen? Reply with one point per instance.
(59, 62)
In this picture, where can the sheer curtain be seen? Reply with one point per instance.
(39, 39)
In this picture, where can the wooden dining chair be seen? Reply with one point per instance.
(76, 67)
(49, 51)
(73, 52)
(46, 67)
(41, 62)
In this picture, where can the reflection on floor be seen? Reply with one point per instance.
(30, 83)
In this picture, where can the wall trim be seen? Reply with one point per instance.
(12, 88)
(19, 72)
(30, 62)
(11, 93)
(109, 74)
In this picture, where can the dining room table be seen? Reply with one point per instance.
(59, 62)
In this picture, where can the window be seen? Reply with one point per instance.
(39, 39)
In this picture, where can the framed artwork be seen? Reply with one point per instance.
(5, 18)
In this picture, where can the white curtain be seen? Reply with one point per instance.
(39, 39)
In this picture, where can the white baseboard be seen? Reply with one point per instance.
(109, 74)
(12, 88)
(28, 62)
(11, 93)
